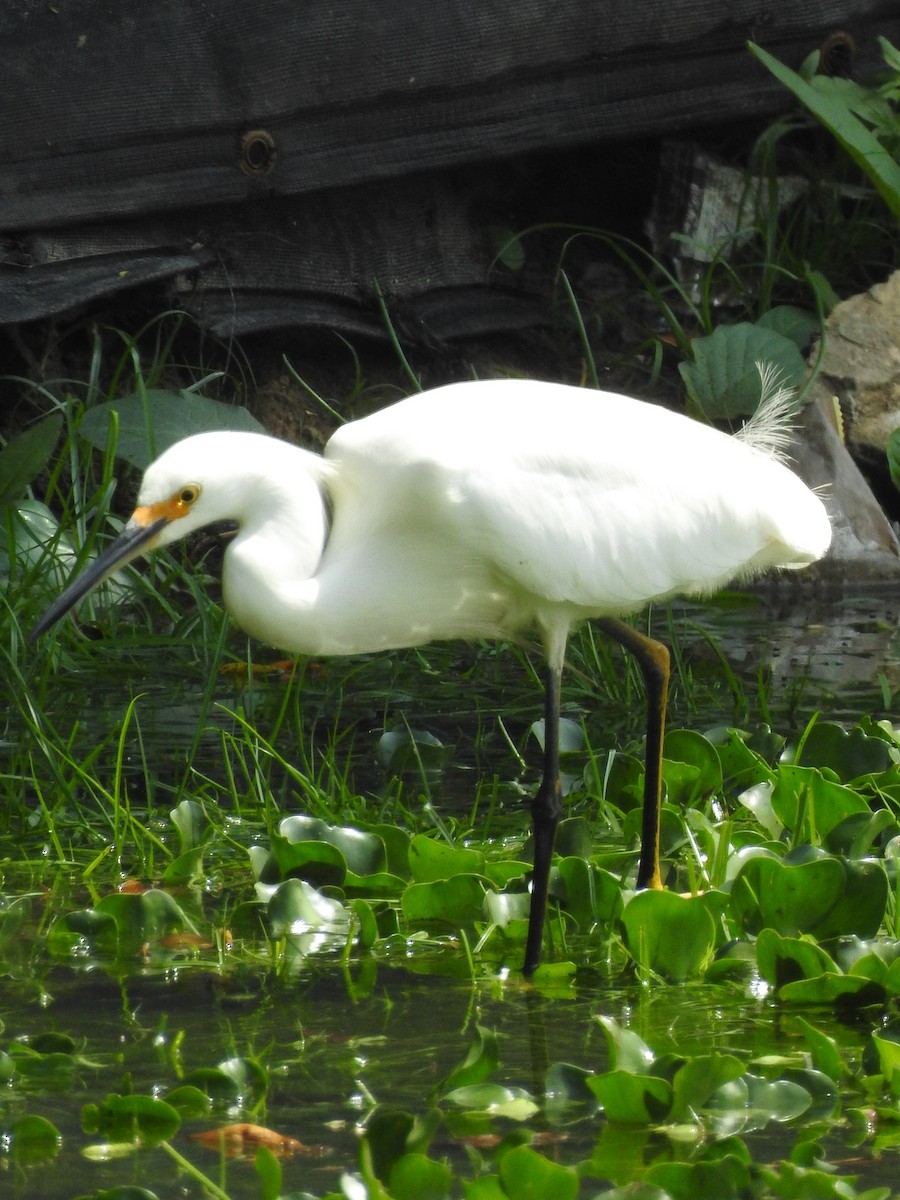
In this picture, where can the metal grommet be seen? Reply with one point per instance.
(258, 152)
(836, 55)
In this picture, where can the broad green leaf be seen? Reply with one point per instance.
(430, 859)
(824, 1051)
(809, 805)
(268, 1172)
(363, 852)
(417, 1177)
(480, 1061)
(696, 1081)
(850, 753)
(32, 1139)
(24, 457)
(671, 935)
(632, 1099)
(145, 430)
(143, 916)
(627, 1051)
(84, 930)
(456, 901)
(797, 324)
(296, 907)
(783, 960)
(131, 1119)
(727, 1178)
(527, 1175)
(724, 380)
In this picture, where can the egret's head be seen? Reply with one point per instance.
(192, 484)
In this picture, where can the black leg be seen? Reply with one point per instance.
(654, 661)
(545, 810)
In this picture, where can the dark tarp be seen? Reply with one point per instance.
(273, 158)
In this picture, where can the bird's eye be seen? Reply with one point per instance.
(189, 494)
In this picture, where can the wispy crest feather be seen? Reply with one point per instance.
(772, 425)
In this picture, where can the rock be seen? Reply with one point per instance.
(861, 366)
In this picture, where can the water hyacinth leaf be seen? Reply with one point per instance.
(145, 430)
(480, 1061)
(825, 896)
(24, 457)
(821, 1088)
(319, 863)
(578, 892)
(844, 991)
(527, 1175)
(32, 1139)
(367, 926)
(629, 1099)
(131, 1119)
(850, 753)
(7, 1067)
(776, 1099)
(391, 1134)
(728, 1178)
(566, 1088)
(417, 1177)
(268, 1172)
(790, 898)
(411, 751)
(743, 764)
(250, 1079)
(493, 1100)
(886, 1042)
(694, 750)
(501, 908)
(627, 1051)
(861, 905)
(143, 916)
(724, 381)
(783, 960)
(671, 935)
(362, 851)
(823, 1051)
(571, 735)
(574, 837)
(218, 1086)
(430, 859)
(296, 907)
(184, 869)
(396, 843)
(758, 800)
(698, 1079)
(809, 805)
(85, 930)
(188, 1101)
(190, 821)
(623, 784)
(456, 901)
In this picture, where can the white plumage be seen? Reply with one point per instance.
(482, 509)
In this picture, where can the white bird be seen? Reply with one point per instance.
(495, 509)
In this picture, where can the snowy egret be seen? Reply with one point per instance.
(492, 509)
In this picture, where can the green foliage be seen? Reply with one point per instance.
(864, 120)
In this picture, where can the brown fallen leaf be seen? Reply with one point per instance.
(244, 1139)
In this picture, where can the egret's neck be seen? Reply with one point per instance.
(270, 565)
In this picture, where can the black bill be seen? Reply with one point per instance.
(128, 545)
